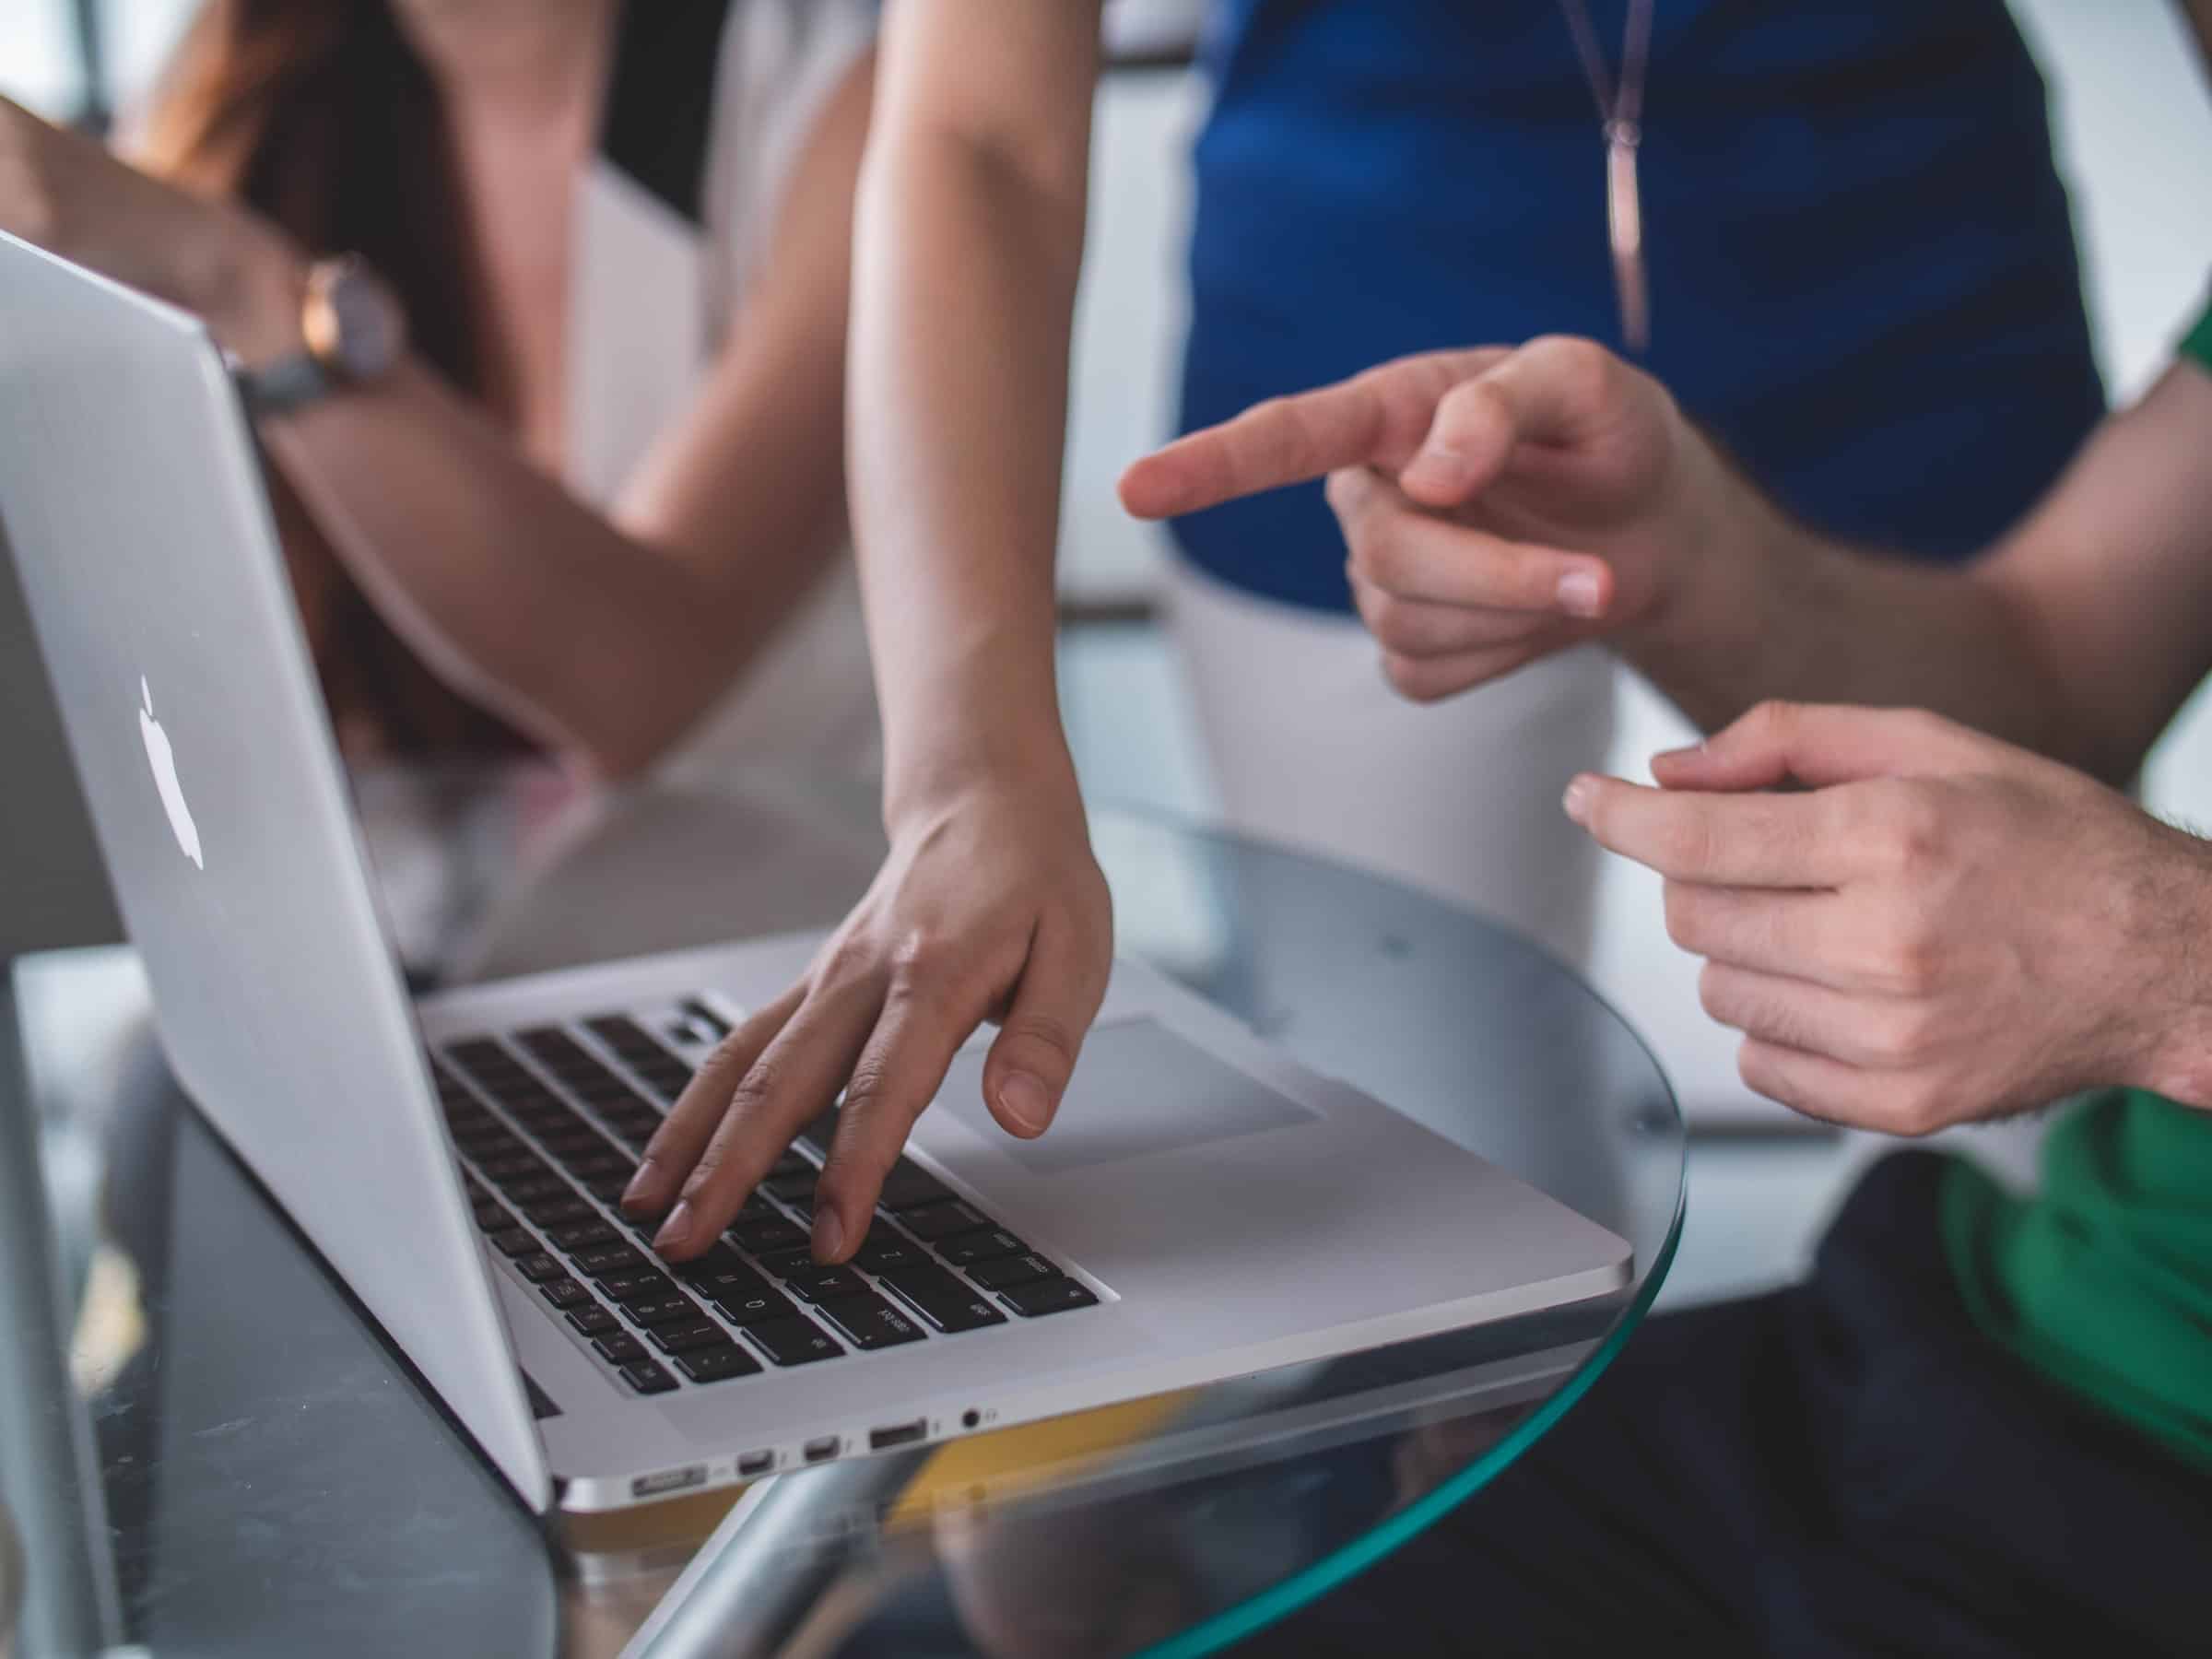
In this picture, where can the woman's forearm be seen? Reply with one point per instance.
(966, 250)
(520, 596)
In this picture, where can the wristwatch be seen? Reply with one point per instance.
(353, 329)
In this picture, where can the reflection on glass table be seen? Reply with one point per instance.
(269, 1471)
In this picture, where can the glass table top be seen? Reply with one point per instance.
(206, 1446)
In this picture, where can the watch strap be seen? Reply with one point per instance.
(290, 382)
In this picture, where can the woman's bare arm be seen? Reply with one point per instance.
(610, 636)
(991, 905)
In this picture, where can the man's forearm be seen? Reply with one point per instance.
(1774, 610)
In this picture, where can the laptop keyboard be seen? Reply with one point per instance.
(548, 1123)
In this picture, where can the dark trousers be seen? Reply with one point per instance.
(1847, 1466)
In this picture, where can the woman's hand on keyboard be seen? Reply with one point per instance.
(989, 906)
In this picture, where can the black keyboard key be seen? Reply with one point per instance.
(538, 1268)
(792, 1341)
(531, 1189)
(718, 1273)
(967, 1249)
(620, 1032)
(791, 1164)
(593, 1320)
(799, 1184)
(504, 1167)
(564, 1292)
(825, 1283)
(619, 1347)
(908, 1186)
(767, 1234)
(1012, 1270)
(582, 1235)
(1040, 1297)
(683, 1338)
(609, 1188)
(886, 1250)
(943, 1220)
(943, 1300)
(605, 1162)
(610, 1258)
(648, 1378)
(492, 1216)
(485, 1141)
(870, 1322)
(784, 1263)
(549, 1043)
(706, 1016)
(650, 1312)
(763, 1306)
(665, 1078)
(566, 1145)
(639, 1286)
(717, 1364)
(563, 1209)
(476, 1052)
(820, 1130)
(511, 1242)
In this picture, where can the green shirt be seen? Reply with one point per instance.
(2103, 1280)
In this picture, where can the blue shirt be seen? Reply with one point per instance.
(1860, 258)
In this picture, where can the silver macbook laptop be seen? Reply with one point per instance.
(1202, 1208)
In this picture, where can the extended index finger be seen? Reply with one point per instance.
(1755, 840)
(1377, 418)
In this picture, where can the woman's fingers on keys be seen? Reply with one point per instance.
(897, 1074)
(795, 1077)
(683, 1136)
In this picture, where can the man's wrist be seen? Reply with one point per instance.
(2175, 1050)
(1737, 555)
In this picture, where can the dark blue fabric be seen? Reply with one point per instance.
(1861, 262)
(1844, 1468)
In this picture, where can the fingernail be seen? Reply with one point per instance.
(676, 1229)
(635, 1192)
(1683, 753)
(1439, 463)
(1577, 799)
(1027, 1101)
(1578, 594)
(829, 1235)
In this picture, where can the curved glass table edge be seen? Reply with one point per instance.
(1279, 1601)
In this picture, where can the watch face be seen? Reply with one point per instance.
(354, 323)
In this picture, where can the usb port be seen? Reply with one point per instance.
(756, 1463)
(899, 1434)
(816, 1451)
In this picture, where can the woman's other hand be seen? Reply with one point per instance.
(69, 195)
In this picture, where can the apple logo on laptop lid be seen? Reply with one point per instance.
(163, 760)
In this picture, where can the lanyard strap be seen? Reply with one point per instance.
(1620, 112)
(1621, 106)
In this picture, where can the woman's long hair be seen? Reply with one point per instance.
(321, 116)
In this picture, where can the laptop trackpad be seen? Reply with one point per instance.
(1139, 1090)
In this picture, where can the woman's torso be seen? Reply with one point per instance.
(610, 264)
(1860, 258)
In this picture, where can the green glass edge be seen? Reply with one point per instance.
(1279, 1601)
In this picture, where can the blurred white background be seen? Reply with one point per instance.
(2135, 125)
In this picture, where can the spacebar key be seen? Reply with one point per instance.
(942, 1299)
